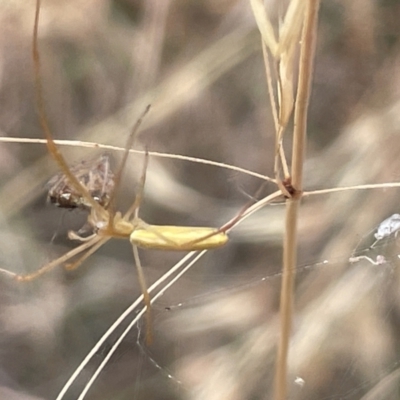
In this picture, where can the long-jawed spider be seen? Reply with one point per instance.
(103, 220)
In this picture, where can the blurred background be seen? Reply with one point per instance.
(199, 63)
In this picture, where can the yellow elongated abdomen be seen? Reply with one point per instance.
(178, 238)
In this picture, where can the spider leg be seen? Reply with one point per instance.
(76, 264)
(118, 175)
(49, 266)
(146, 296)
(224, 228)
(51, 146)
(143, 225)
(134, 208)
(72, 235)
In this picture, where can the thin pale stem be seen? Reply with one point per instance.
(368, 186)
(94, 145)
(290, 240)
(269, 85)
(308, 40)
(284, 163)
(133, 322)
(286, 298)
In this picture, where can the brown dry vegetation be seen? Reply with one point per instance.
(200, 65)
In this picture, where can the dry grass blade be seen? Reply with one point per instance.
(294, 19)
(265, 27)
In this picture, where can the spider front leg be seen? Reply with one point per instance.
(49, 266)
(76, 264)
(117, 225)
(146, 295)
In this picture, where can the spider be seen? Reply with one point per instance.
(74, 189)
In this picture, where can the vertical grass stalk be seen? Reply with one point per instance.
(307, 49)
